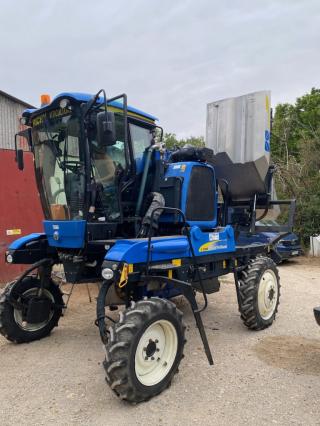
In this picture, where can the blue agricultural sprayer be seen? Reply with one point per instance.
(146, 225)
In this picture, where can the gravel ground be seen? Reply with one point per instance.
(266, 377)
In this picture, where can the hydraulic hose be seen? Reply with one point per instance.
(101, 302)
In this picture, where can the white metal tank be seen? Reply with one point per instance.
(240, 127)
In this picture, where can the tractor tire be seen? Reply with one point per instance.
(12, 324)
(145, 349)
(259, 287)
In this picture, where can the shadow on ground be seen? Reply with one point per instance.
(294, 353)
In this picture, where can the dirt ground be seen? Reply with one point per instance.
(266, 377)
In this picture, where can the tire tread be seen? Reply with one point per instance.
(116, 364)
(8, 326)
(249, 280)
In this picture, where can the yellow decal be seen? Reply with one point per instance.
(183, 168)
(224, 264)
(170, 273)
(37, 121)
(59, 112)
(267, 103)
(130, 268)
(13, 232)
(130, 114)
(56, 113)
(176, 262)
(208, 246)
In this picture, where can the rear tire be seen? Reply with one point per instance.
(259, 286)
(145, 349)
(12, 324)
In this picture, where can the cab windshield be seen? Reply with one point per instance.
(60, 165)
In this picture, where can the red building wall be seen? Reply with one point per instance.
(20, 207)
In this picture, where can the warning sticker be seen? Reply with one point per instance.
(214, 236)
(13, 231)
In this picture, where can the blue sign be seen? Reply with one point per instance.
(267, 140)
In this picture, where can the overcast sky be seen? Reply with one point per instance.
(170, 57)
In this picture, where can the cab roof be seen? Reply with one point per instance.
(85, 97)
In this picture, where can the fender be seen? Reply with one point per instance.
(29, 249)
(220, 240)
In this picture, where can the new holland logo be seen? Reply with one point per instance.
(208, 246)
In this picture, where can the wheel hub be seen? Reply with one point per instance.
(151, 349)
(29, 318)
(267, 294)
(271, 294)
(156, 352)
(38, 310)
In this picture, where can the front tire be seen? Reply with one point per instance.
(13, 325)
(259, 287)
(145, 349)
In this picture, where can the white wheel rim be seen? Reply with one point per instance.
(156, 352)
(18, 314)
(267, 294)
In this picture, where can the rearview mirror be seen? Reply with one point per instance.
(106, 128)
(19, 159)
(18, 141)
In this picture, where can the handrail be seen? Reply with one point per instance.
(181, 213)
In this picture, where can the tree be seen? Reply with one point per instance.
(172, 142)
(295, 147)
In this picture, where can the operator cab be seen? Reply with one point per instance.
(89, 157)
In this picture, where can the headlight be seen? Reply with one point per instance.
(107, 273)
(9, 258)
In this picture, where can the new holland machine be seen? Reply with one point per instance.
(146, 225)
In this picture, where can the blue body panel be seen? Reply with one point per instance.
(183, 171)
(135, 250)
(167, 248)
(65, 233)
(20, 242)
(85, 97)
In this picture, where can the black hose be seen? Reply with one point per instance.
(150, 221)
(101, 303)
(264, 214)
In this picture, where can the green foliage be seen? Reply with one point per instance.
(294, 125)
(295, 148)
(173, 142)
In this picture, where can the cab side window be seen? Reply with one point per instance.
(141, 139)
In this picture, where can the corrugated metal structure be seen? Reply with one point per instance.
(11, 109)
(20, 209)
